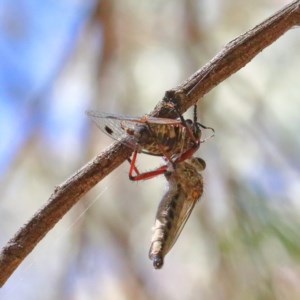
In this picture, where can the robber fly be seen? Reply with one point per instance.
(174, 139)
(185, 188)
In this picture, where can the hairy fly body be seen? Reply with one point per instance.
(185, 188)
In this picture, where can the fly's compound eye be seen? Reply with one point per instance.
(201, 163)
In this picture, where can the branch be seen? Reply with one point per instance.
(235, 55)
(230, 59)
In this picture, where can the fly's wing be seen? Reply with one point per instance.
(192, 182)
(166, 231)
(185, 213)
(114, 126)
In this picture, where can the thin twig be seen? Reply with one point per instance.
(230, 59)
(235, 55)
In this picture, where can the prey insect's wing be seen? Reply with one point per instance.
(113, 125)
(116, 126)
(160, 121)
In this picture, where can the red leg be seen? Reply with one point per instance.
(187, 154)
(132, 165)
(142, 176)
(148, 175)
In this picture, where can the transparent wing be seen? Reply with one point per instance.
(160, 121)
(185, 213)
(143, 119)
(192, 190)
(114, 125)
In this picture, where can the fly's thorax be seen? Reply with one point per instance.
(190, 179)
(185, 176)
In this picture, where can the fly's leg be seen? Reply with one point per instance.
(187, 154)
(143, 176)
(133, 168)
(150, 174)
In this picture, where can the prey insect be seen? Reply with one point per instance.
(185, 188)
(174, 139)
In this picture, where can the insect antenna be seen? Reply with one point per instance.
(195, 114)
(206, 127)
(198, 125)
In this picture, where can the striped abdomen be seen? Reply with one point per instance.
(185, 188)
(162, 138)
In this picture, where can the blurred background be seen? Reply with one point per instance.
(59, 58)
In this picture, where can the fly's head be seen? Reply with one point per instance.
(198, 163)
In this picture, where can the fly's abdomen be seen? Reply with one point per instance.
(185, 188)
(164, 227)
